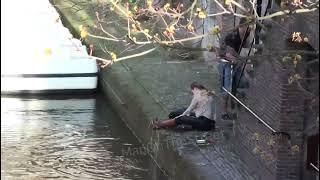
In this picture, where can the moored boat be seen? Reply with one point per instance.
(39, 55)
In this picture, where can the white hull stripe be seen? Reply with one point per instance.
(49, 75)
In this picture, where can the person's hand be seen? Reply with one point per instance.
(254, 50)
(231, 58)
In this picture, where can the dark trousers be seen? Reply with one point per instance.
(200, 123)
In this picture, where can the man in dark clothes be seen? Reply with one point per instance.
(232, 45)
(238, 38)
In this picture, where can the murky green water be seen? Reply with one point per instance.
(64, 137)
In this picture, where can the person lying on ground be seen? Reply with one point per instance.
(198, 115)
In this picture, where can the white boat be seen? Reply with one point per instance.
(39, 55)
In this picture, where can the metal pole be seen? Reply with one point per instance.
(254, 114)
(230, 88)
(244, 66)
(312, 165)
(259, 2)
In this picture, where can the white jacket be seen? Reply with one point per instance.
(201, 105)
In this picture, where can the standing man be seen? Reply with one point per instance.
(229, 68)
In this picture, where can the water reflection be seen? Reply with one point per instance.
(67, 138)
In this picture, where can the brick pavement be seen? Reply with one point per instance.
(168, 81)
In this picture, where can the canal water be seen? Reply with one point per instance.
(68, 137)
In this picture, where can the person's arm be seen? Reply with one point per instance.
(231, 55)
(190, 108)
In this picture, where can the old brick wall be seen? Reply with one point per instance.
(309, 27)
(253, 137)
(279, 104)
(257, 145)
(270, 96)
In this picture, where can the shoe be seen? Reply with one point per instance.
(233, 115)
(225, 116)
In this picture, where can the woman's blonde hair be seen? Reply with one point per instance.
(201, 87)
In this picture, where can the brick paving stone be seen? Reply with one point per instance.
(169, 85)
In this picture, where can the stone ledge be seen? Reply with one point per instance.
(142, 89)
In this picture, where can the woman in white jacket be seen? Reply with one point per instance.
(198, 115)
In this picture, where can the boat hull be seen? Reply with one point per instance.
(46, 76)
(53, 83)
(45, 58)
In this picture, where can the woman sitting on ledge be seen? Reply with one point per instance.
(198, 115)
